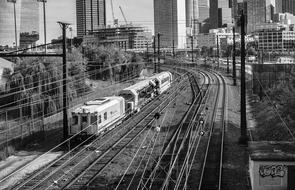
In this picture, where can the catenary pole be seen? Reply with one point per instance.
(243, 137)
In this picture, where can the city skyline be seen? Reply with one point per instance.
(137, 12)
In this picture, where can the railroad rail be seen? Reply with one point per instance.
(211, 175)
(163, 175)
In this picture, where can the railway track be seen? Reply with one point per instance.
(201, 166)
(73, 166)
(211, 175)
(164, 175)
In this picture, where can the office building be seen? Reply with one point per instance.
(192, 15)
(284, 18)
(256, 14)
(220, 13)
(169, 17)
(7, 35)
(288, 6)
(128, 36)
(269, 11)
(91, 15)
(204, 16)
(29, 25)
(276, 40)
(278, 6)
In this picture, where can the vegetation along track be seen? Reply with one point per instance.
(211, 175)
(75, 165)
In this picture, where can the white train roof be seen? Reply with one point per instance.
(98, 105)
(161, 75)
(139, 85)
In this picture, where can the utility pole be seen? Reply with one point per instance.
(155, 64)
(234, 56)
(147, 52)
(158, 69)
(64, 70)
(217, 51)
(173, 48)
(227, 65)
(243, 137)
(192, 44)
(44, 20)
(15, 27)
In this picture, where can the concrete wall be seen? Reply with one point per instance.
(269, 175)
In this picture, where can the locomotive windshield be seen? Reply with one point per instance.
(127, 97)
(75, 120)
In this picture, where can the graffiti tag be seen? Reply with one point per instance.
(272, 170)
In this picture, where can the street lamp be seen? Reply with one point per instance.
(15, 29)
(44, 17)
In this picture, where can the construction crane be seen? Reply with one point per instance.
(123, 15)
(114, 19)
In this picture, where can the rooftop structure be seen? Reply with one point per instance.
(131, 37)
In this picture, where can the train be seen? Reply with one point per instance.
(101, 114)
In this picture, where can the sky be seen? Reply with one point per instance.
(136, 11)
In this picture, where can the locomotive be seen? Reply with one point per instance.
(104, 113)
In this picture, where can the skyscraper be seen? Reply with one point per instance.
(278, 6)
(27, 22)
(7, 36)
(288, 6)
(29, 16)
(220, 13)
(170, 21)
(204, 16)
(29, 25)
(192, 15)
(91, 15)
(269, 11)
(256, 14)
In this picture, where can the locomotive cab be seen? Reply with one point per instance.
(97, 115)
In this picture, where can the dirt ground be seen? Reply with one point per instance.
(235, 170)
(17, 161)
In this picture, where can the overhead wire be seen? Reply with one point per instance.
(54, 82)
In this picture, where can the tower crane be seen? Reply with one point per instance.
(123, 15)
(114, 19)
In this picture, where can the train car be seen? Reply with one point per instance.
(137, 95)
(163, 81)
(97, 115)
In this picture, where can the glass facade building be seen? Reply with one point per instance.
(7, 35)
(220, 13)
(204, 16)
(27, 23)
(173, 20)
(256, 14)
(91, 15)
